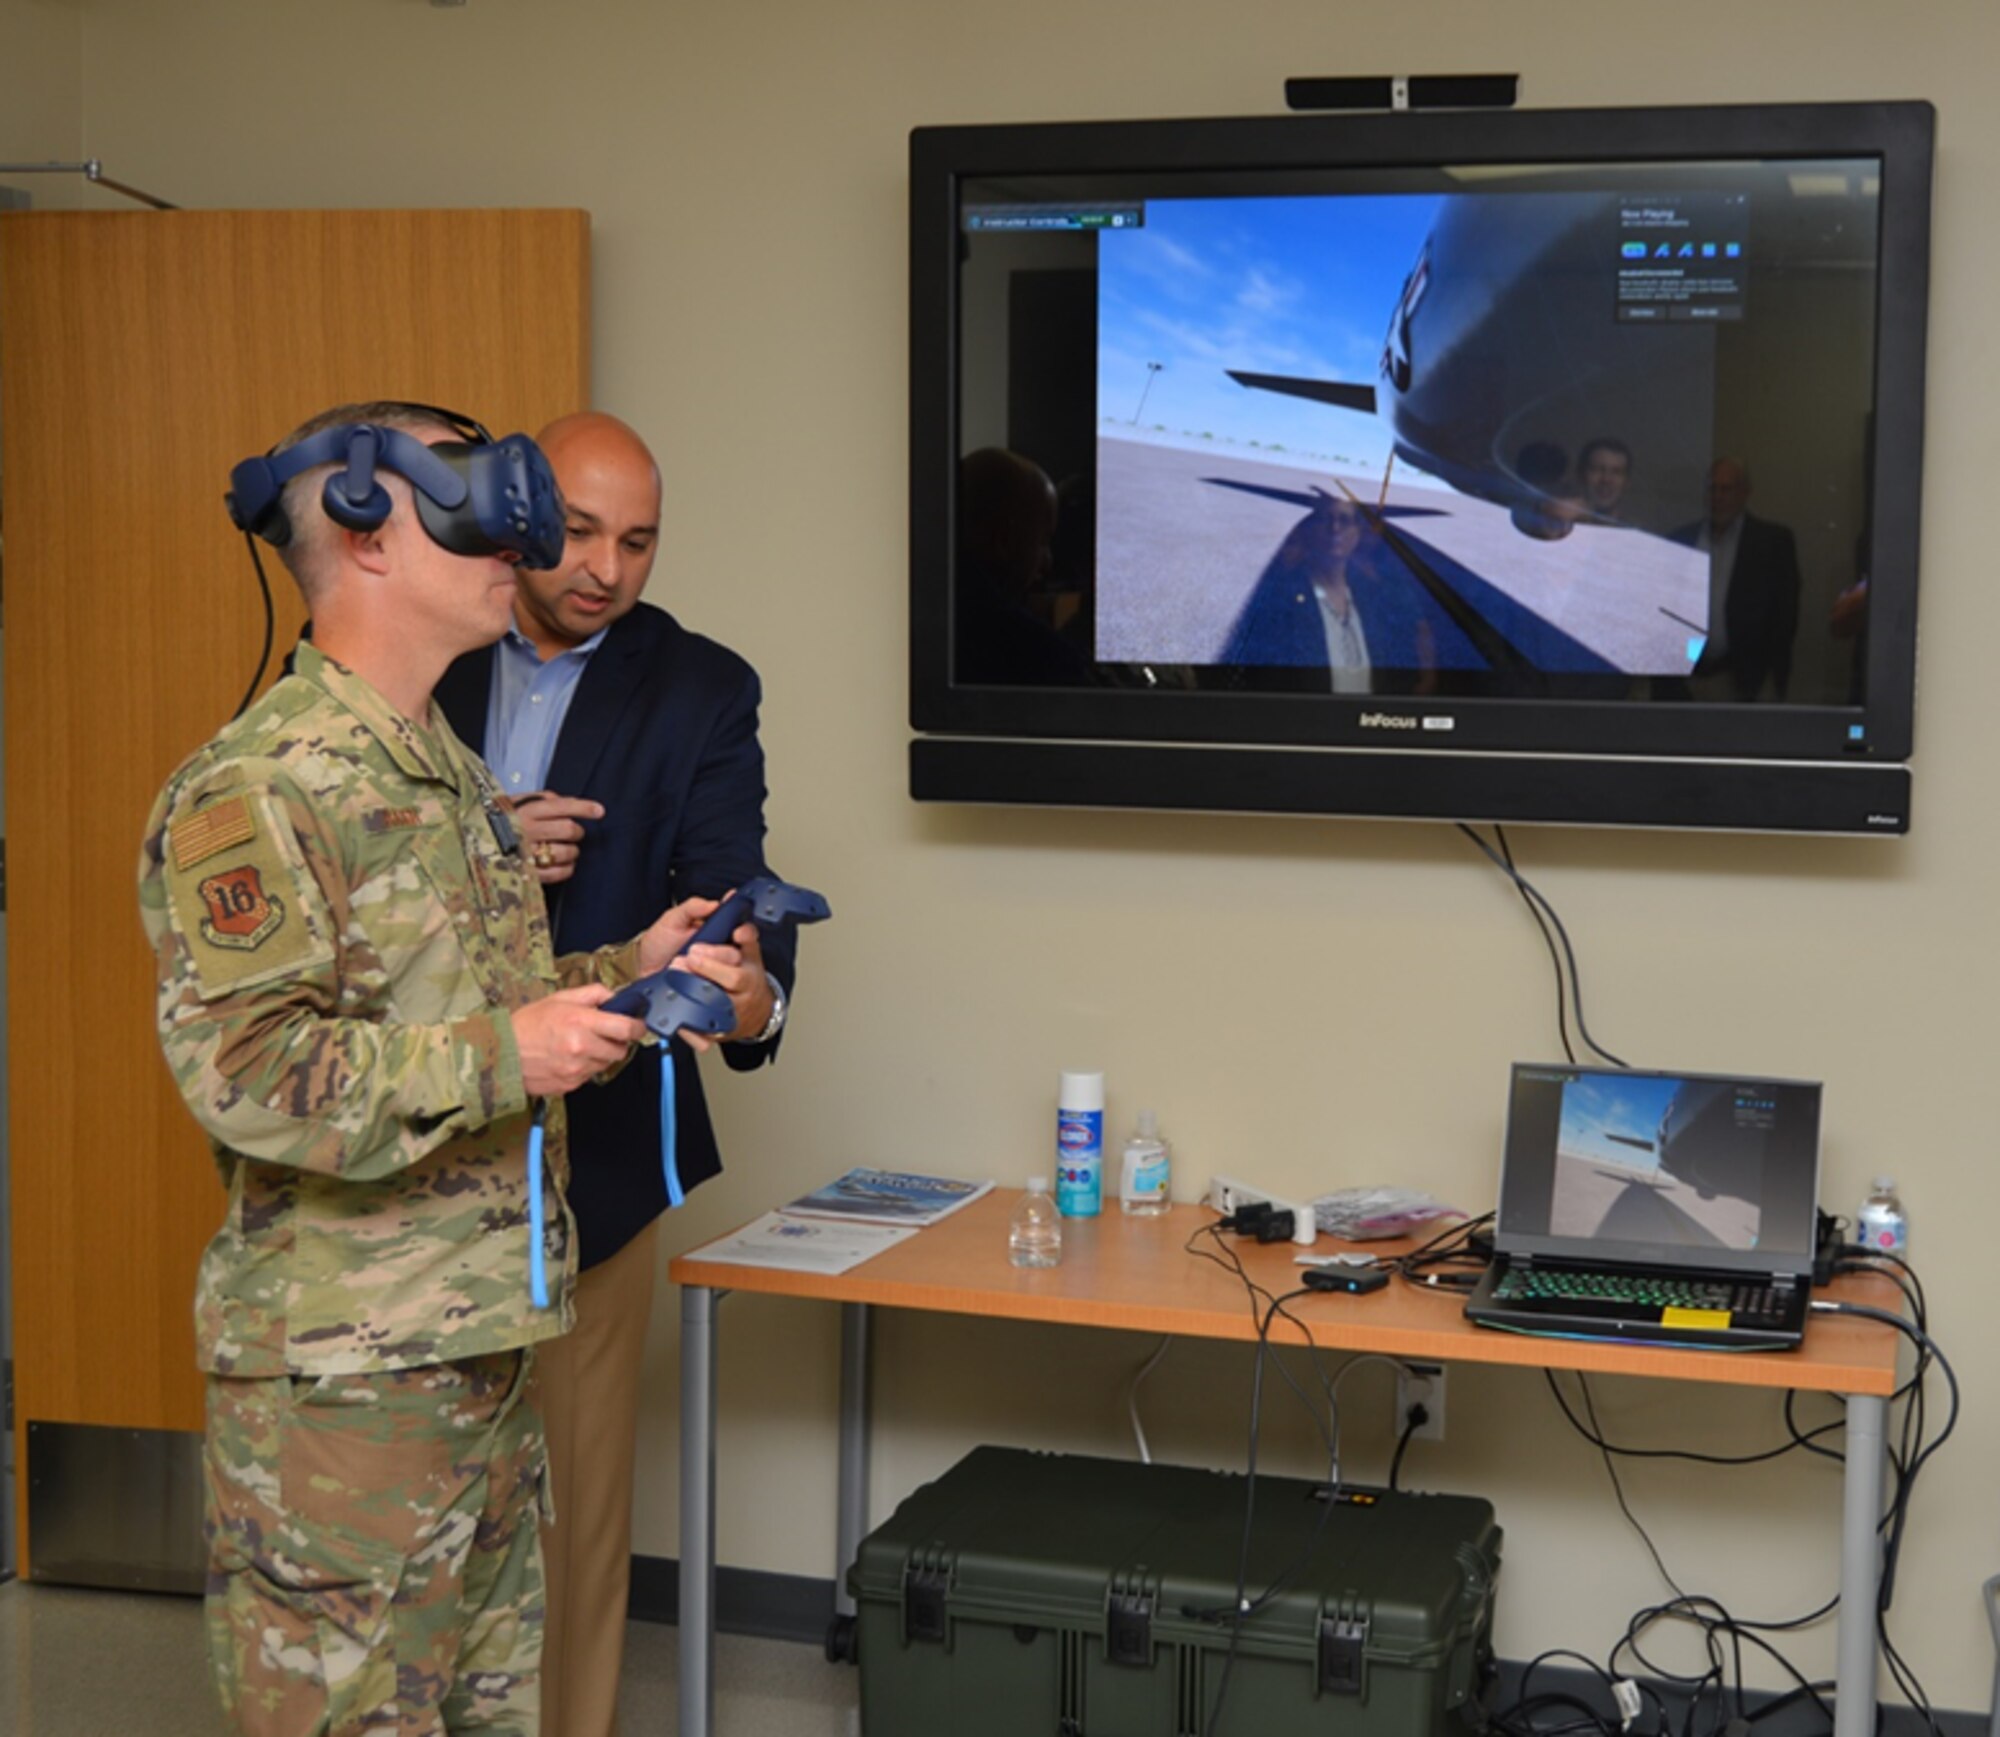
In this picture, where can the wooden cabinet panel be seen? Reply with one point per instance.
(141, 355)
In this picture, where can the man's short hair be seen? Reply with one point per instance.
(304, 554)
(1603, 443)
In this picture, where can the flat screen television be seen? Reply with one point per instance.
(1521, 466)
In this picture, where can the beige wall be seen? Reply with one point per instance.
(41, 97)
(745, 166)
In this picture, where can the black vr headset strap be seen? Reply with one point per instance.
(471, 431)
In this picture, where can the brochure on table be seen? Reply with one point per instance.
(807, 1245)
(887, 1197)
(847, 1221)
(843, 1224)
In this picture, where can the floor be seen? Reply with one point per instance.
(104, 1664)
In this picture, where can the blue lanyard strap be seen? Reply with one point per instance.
(675, 1193)
(538, 1272)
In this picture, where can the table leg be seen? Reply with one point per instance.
(697, 1573)
(852, 1514)
(1856, 1661)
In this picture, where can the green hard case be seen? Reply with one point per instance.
(1024, 1594)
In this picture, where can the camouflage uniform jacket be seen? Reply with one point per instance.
(340, 939)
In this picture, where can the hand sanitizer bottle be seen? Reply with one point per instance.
(1145, 1181)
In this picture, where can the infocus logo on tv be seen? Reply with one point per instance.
(1403, 721)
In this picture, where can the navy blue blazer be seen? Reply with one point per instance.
(1760, 610)
(662, 730)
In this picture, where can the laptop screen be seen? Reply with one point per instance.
(1709, 1171)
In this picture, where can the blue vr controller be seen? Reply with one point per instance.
(671, 1000)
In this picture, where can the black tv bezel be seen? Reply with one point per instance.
(1093, 725)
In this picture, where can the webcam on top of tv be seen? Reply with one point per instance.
(1451, 90)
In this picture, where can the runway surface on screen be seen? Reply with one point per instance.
(1458, 366)
(1184, 536)
(1616, 1169)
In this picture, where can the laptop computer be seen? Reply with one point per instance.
(1678, 1208)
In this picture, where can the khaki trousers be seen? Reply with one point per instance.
(590, 1406)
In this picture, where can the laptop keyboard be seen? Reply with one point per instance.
(1747, 1304)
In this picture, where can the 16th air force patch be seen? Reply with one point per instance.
(232, 874)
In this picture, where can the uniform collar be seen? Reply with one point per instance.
(417, 753)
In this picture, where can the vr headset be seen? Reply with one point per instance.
(475, 495)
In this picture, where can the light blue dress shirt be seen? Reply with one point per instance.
(526, 706)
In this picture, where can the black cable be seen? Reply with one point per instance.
(1725, 1636)
(1906, 1679)
(1260, 1296)
(1908, 1470)
(1243, 1607)
(1808, 1440)
(1772, 1708)
(1716, 1623)
(1691, 1610)
(1905, 1463)
(270, 629)
(1592, 1720)
(1450, 1247)
(1417, 1419)
(1618, 1488)
(1504, 863)
(1464, 1228)
(1914, 1463)
(1859, 1258)
(1548, 940)
(1266, 1306)
(1610, 1447)
(1526, 1705)
(1904, 1274)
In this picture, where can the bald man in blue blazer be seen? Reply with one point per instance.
(630, 746)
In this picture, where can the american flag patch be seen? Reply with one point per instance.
(215, 828)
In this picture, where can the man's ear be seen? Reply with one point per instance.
(368, 550)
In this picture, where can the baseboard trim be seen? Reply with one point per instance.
(790, 1607)
(1800, 1720)
(798, 1607)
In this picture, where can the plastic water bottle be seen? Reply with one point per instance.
(1880, 1225)
(1145, 1177)
(1034, 1237)
(1080, 1146)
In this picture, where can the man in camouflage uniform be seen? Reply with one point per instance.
(359, 1003)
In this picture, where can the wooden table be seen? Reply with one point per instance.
(1133, 1274)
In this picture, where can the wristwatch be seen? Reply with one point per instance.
(776, 1023)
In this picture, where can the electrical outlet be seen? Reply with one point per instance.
(1420, 1384)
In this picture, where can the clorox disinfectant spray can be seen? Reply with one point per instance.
(1080, 1145)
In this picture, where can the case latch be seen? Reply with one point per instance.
(1343, 1641)
(1129, 1628)
(924, 1590)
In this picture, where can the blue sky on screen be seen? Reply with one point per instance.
(1595, 1108)
(1295, 286)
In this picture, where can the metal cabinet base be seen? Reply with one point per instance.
(1027, 1592)
(115, 1507)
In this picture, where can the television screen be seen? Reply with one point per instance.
(1572, 436)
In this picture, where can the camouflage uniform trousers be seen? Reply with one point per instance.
(374, 1562)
